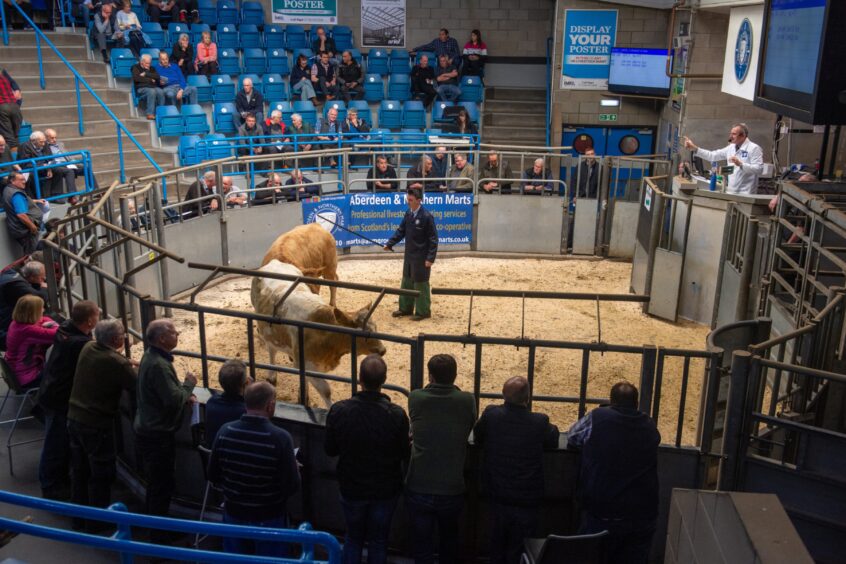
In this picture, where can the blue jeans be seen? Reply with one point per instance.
(427, 512)
(234, 545)
(151, 97)
(448, 92)
(55, 454)
(189, 94)
(630, 540)
(368, 521)
(304, 89)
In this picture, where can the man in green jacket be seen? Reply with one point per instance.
(161, 402)
(442, 417)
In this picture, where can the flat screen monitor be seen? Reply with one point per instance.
(639, 72)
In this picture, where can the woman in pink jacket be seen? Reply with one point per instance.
(30, 335)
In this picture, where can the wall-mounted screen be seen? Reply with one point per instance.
(639, 72)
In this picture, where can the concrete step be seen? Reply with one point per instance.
(27, 38)
(515, 135)
(105, 143)
(30, 81)
(55, 97)
(516, 119)
(29, 54)
(511, 106)
(131, 157)
(100, 128)
(84, 67)
(68, 113)
(526, 94)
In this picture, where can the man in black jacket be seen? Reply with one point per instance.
(350, 78)
(421, 246)
(248, 101)
(513, 440)
(423, 81)
(369, 434)
(588, 175)
(618, 475)
(147, 85)
(24, 216)
(14, 285)
(54, 395)
(205, 186)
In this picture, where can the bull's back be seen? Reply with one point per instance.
(308, 247)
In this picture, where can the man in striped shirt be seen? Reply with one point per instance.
(253, 462)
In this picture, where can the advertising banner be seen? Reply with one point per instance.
(305, 11)
(589, 36)
(377, 216)
(383, 23)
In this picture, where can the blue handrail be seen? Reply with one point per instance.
(122, 542)
(32, 167)
(548, 89)
(121, 128)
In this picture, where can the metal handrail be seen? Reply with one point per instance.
(548, 88)
(84, 161)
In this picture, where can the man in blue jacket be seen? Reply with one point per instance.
(173, 83)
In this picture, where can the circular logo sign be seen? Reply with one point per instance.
(743, 50)
(328, 216)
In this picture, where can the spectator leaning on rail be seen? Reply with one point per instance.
(103, 374)
(228, 406)
(233, 195)
(463, 170)
(351, 126)
(205, 186)
(274, 127)
(304, 187)
(495, 168)
(147, 86)
(161, 405)
(446, 79)
(350, 78)
(369, 435)
(264, 453)
(10, 109)
(54, 395)
(424, 169)
(536, 179)
(443, 44)
(423, 81)
(513, 439)
(248, 101)
(442, 417)
(383, 176)
(27, 214)
(269, 191)
(173, 82)
(746, 157)
(618, 476)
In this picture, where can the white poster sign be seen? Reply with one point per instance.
(740, 67)
(383, 23)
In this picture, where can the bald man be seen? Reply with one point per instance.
(513, 439)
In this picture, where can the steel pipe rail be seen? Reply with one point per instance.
(541, 295)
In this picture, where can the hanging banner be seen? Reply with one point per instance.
(377, 216)
(383, 23)
(305, 11)
(589, 36)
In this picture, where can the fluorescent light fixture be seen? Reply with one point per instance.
(609, 102)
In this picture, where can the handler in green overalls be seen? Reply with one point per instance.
(421, 245)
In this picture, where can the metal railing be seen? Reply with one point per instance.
(32, 166)
(549, 54)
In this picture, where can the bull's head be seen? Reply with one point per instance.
(359, 321)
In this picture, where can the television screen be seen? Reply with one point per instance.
(639, 71)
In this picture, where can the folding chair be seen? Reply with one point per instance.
(15, 390)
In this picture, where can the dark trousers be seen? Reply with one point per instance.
(426, 512)
(368, 522)
(93, 464)
(233, 545)
(28, 243)
(351, 92)
(510, 525)
(629, 542)
(158, 455)
(55, 453)
(10, 123)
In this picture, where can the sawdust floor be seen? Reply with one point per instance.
(557, 372)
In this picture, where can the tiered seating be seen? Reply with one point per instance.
(169, 121)
(274, 88)
(471, 89)
(174, 30)
(122, 61)
(295, 38)
(228, 61)
(223, 89)
(227, 12)
(208, 11)
(343, 37)
(198, 29)
(222, 117)
(194, 119)
(227, 36)
(438, 111)
(401, 61)
(364, 110)
(153, 52)
(274, 37)
(378, 62)
(399, 87)
(252, 13)
(390, 114)
(156, 33)
(374, 88)
(250, 37)
(306, 109)
(218, 146)
(285, 108)
(413, 115)
(277, 61)
(255, 61)
(338, 105)
(201, 83)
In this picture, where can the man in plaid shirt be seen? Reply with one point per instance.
(10, 109)
(442, 45)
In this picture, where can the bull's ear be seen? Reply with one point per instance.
(344, 319)
(325, 314)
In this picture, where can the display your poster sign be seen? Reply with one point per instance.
(589, 36)
(383, 23)
(305, 11)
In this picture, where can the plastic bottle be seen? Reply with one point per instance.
(713, 183)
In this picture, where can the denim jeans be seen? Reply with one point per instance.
(448, 92)
(55, 454)
(234, 545)
(368, 521)
(189, 94)
(510, 524)
(93, 461)
(427, 512)
(304, 89)
(630, 541)
(151, 97)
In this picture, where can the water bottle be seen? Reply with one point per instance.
(713, 183)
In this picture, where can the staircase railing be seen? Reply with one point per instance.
(548, 89)
(78, 79)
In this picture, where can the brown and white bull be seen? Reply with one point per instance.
(310, 248)
(323, 349)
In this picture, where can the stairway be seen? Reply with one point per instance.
(515, 116)
(56, 108)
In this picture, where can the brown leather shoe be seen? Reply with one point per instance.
(151, 117)
(400, 313)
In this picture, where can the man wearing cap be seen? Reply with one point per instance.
(421, 246)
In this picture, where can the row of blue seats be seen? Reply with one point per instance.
(392, 114)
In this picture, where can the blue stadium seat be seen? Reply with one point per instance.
(223, 89)
(356, 55)
(306, 109)
(438, 111)
(194, 119)
(169, 121)
(227, 12)
(197, 30)
(222, 117)
(252, 13)
(471, 89)
(201, 83)
(364, 110)
(285, 108)
(343, 37)
(273, 87)
(122, 62)
(399, 87)
(377, 62)
(255, 61)
(228, 62)
(208, 13)
(141, 13)
(227, 36)
(250, 37)
(433, 61)
(413, 115)
(401, 61)
(472, 110)
(156, 33)
(413, 136)
(295, 37)
(277, 61)
(190, 152)
(303, 51)
(218, 146)
(390, 114)
(153, 52)
(382, 135)
(25, 132)
(374, 88)
(338, 105)
(274, 37)
(174, 30)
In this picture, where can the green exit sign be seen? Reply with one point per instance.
(607, 117)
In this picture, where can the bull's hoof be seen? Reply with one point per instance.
(400, 313)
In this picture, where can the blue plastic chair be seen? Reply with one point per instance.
(413, 115)
(190, 152)
(218, 146)
(399, 87)
(201, 83)
(194, 119)
(306, 109)
(122, 61)
(227, 12)
(277, 61)
(255, 61)
(343, 37)
(363, 108)
(382, 135)
(285, 107)
(338, 105)
(472, 111)
(223, 89)
(25, 132)
(374, 88)
(174, 30)
(169, 121)
(153, 52)
(274, 37)
(156, 33)
(222, 118)
(274, 87)
(208, 12)
(438, 111)
(252, 76)
(198, 29)
(252, 13)
(295, 37)
(377, 62)
(400, 61)
(227, 36)
(228, 62)
(390, 114)
(250, 37)
(471, 89)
